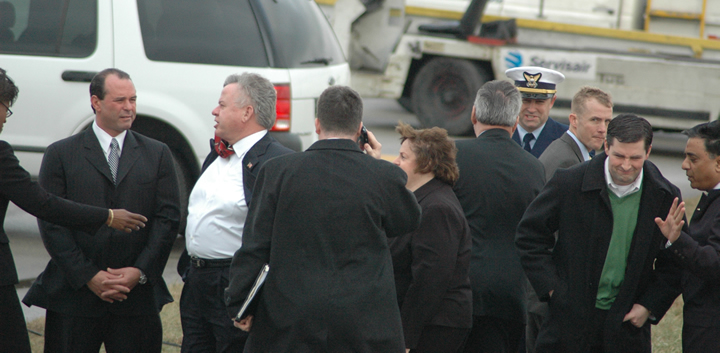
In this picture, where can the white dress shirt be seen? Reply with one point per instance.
(622, 190)
(217, 208)
(105, 139)
(583, 150)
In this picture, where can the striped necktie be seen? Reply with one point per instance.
(114, 159)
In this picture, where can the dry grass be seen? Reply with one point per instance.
(666, 336)
(172, 332)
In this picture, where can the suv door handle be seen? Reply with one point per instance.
(78, 76)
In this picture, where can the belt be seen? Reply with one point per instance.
(209, 263)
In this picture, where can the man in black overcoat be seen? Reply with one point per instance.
(608, 275)
(697, 250)
(101, 287)
(320, 219)
(498, 180)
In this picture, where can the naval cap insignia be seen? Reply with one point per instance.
(532, 80)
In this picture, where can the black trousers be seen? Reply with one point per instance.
(596, 338)
(532, 328)
(206, 323)
(494, 335)
(441, 339)
(13, 331)
(74, 334)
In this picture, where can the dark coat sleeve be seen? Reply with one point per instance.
(58, 240)
(401, 205)
(434, 247)
(702, 261)
(535, 237)
(255, 251)
(16, 185)
(666, 275)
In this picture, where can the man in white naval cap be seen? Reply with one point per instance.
(535, 129)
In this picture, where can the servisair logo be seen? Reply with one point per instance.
(572, 65)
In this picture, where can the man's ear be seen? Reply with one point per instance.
(573, 119)
(607, 148)
(95, 102)
(318, 129)
(473, 118)
(249, 112)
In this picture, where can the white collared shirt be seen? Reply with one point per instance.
(622, 190)
(522, 132)
(217, 208)
(105, 139)
(583, 149)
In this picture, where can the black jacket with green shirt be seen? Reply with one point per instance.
(576, 204)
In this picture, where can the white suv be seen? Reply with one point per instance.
(177, 52)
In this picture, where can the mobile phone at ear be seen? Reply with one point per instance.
(363, 139)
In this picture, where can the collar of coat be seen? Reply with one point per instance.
(335, 144)
(594, 178)
(428, 188)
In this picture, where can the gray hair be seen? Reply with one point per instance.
(498, 103)
(259, 93)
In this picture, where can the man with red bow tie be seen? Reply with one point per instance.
(217, 209)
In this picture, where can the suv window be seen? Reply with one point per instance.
(221, 32)
(48, 27)
(300, 34)
(278, 33)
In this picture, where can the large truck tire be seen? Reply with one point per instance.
(443, 93)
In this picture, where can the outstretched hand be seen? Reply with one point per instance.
(126, 221)
(672, 225)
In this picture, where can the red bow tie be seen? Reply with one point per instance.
(222, 147)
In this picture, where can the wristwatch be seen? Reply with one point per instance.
(143, 278)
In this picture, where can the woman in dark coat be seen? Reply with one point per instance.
(431, 264)
(16, 186)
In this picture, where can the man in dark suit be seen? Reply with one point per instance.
(217, 209)
(590, 114)
(536, 130)
(607, 276)
(100, 287)
(498, 180)
(16, 186)
(698, 249)
(320, 218)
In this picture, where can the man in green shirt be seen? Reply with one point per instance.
(608, 275)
